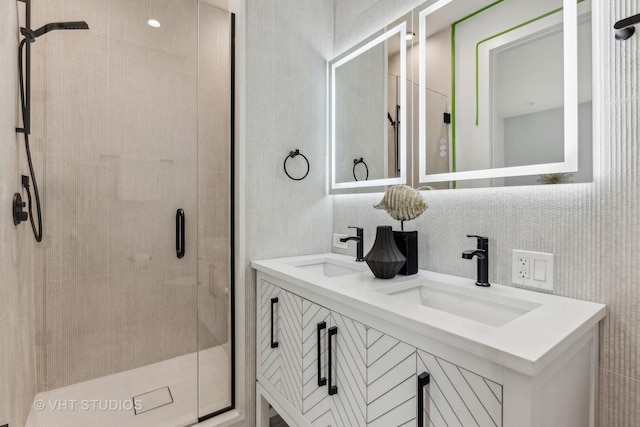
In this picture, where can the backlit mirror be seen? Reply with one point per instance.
(368, 100)
(504, 93)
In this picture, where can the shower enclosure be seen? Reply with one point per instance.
(131, 123)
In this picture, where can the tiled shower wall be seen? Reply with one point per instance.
(592, 229)
(119, 146)
(17, 347)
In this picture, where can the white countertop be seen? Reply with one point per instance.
(526, 344)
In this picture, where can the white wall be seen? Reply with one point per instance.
(591, 228)
(288, 44)
(17, 345)
(536, 138)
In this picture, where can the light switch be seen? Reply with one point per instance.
(539, 270)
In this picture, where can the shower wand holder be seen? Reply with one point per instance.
(18, 205)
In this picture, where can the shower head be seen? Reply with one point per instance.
(625, 27)
(33, 35)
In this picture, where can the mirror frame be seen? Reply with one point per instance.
(570, 54)
(400, 29)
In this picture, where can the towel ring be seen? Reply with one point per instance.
(291, 155)
(356, 162)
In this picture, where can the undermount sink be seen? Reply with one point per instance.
(327, 267)
(475, 304)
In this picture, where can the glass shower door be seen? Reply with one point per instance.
(215, 225)
(131, 124)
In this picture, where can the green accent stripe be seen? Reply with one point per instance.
(498, 35)
(453, 82)
(476, 12)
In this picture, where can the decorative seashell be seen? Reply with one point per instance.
(402, 202)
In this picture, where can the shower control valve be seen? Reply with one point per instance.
(18, 214)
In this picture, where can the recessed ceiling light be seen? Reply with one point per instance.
(410, 36)
(154, 23)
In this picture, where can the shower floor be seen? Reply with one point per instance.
(107, 401)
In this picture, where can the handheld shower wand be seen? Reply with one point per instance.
(25, 106)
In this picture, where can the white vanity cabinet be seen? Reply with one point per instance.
(391, 381)
(280, 344)
(334, 390)
(330, 392)
(335, 371)
(455, 396)
(343, 351)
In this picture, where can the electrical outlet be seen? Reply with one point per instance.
(534, 269)
(337, 243)
(523, 267)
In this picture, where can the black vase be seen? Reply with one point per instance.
(385, 259)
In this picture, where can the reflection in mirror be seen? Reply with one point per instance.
(368, 99)
(508, 73)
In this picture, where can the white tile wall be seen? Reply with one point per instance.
(116, 122)
(288, 43)
(592, 229)
(17, 358)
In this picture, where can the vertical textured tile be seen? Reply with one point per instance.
(592, 229)
(17, 329)
(288, 44)
(620, 400)
(115, 149)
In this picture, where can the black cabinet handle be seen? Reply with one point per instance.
(274, 344)
(180, 225)
(333, 389)
(423, 380)
(321, 380)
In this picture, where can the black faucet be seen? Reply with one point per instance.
(482, 252)
(359, 239)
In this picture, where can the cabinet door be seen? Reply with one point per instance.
(456, 396)
(349, 371)
(281, 341)
(316, 401)
(334, 386)
(391, 383)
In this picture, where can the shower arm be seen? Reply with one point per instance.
(26, 121)
(24, 65)
(30, 36)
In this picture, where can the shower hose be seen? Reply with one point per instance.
(37, 231)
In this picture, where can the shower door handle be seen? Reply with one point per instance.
(180, 225)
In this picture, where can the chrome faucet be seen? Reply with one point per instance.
(482, 253)
(359, 238)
